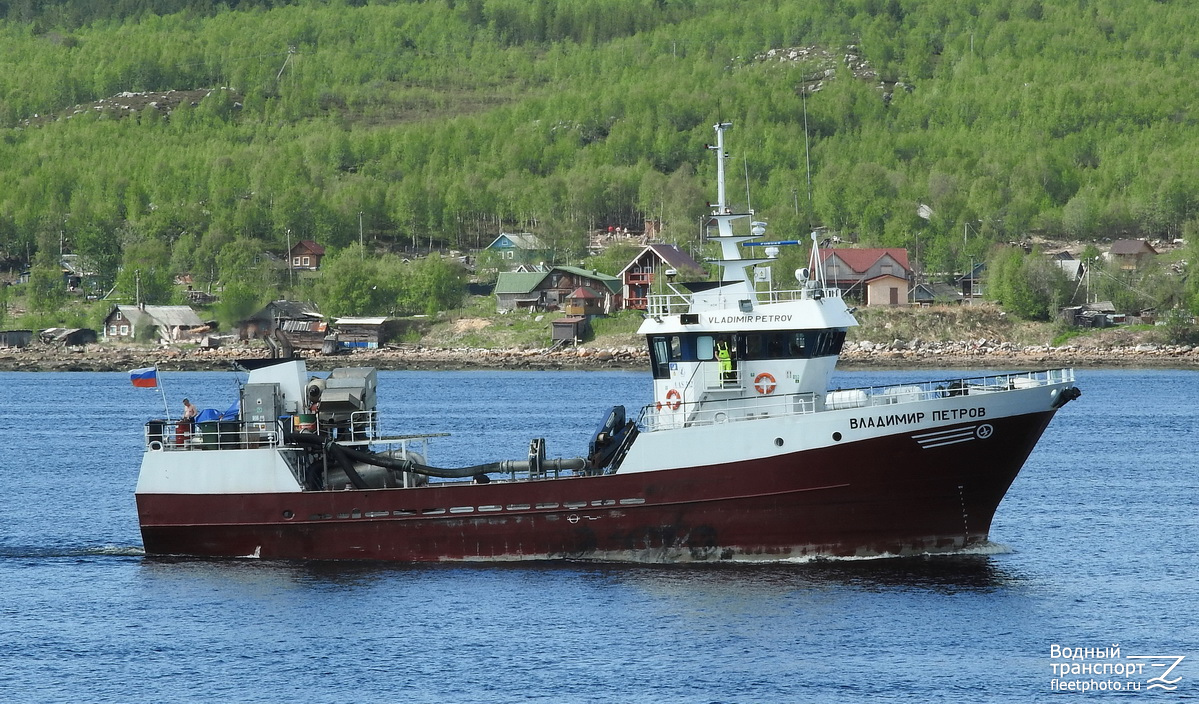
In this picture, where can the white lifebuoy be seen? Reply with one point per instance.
(674, 399)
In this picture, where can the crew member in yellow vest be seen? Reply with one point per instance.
(725, 358)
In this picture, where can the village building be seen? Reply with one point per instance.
(306, 255)
(971, 283)
(1072, 268)
(362, 332)
(876, 277)
(15, 339)
(523, 248)
(1100, 314)
(1130, 255)
(553, 289)
(68, 337)
(168, 323)
(571, 329)
(278, 314)
(925, 295)
(639, 275)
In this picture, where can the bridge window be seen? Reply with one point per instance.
(782, 344)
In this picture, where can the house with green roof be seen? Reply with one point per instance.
(556, 289)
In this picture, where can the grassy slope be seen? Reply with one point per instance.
(479, 326)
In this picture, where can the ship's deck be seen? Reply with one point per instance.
(656, 417)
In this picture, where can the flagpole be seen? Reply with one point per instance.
(165, 408)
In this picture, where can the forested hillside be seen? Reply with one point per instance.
(437, 124)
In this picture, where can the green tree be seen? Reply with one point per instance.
(145, 275)
(1029, 286)
(353, 284)
(46, 291)
(429, 285)
(239, 300)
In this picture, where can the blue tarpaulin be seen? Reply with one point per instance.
(208, 414)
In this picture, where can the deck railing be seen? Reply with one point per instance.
(709, 412)
(678, 302)
(361, 428)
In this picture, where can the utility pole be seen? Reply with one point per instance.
(289, 267)
(360, 245)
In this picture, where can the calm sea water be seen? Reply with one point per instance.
(1096, 544)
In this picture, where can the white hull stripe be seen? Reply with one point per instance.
(940, 438)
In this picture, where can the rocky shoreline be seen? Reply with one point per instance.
(969, 354)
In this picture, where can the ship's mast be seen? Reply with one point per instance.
(721, 128)
(734, 267)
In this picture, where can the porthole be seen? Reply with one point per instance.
(288, 515)
(836, 437)
(778, 442)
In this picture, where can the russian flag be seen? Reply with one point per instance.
(144, 378)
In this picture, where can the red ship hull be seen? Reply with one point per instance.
(886, 495)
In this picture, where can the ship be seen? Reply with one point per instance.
(744, 454)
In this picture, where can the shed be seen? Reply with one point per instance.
(15, 338)
(69, 337)
(365, 332)
(886, 290)
(571, 329)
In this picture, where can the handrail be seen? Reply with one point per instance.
(171, 436)
(678, 302)
(746, 408)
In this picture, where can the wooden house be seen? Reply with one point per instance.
(971, 283)
(550, 290)
(639, 275)
(873, 276)
(306, 255)
(169, 323)
(936, 294)
(1130, 254)
(291, 316)
(523, 248)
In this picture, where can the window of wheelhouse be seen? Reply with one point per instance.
(664, 349)
(790, 344)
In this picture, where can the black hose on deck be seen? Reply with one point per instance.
(338, 453)
(410, 466)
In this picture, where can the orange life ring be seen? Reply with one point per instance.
(674, 399)
(764, 383)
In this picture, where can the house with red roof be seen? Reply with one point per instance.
(306, 254)
(639, 275)
(876, 277)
